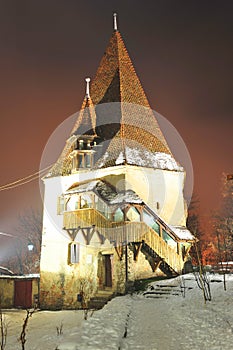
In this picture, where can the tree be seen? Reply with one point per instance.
(201, 227)
(223, 226)
(29, 230)
(193, 224)
(223, 221)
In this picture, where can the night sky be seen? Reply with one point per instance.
(182, 52)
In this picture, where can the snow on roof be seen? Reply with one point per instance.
(120, 160)
(127, 196)
(5, 271)
(101, 162)
(182, 233)
(143, 157)
(82, 188)
(107, 192)
(28, 276)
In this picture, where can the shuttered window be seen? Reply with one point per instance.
(60, 205)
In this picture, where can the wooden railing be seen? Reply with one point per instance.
(164, 250)
(122, 232)
(85, 218)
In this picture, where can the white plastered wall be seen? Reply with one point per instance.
(161, 190)
(55, 240)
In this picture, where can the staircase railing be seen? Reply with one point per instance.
(168, 253)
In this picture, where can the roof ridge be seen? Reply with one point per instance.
(119, 38)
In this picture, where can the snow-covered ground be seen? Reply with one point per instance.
(161, 319)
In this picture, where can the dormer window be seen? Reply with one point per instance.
(83, 154)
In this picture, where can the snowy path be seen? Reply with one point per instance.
(168, 323)
(151, 326)
(179, 323)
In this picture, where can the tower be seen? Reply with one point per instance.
(114, 209)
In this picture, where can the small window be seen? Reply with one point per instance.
(88, 160)
(73, 253)
(84, 160)
(81, 161)
(168, 239)
(102, 207)
(148, 219)
(118, 215)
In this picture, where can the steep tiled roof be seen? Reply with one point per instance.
(85, 125)
(131, 122)
(116, 79)
(86, 121)
(118, 112)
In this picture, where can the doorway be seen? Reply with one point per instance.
(108, 271)
(23, 294)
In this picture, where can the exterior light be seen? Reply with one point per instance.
(30, 246)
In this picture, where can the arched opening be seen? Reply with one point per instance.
(118, 215)
(86, 201)
(133, 214)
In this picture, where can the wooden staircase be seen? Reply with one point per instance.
(157, 251)
(157, 261)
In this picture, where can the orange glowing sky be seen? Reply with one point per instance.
(181, 50)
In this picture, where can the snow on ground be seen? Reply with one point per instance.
(161, 319)
(42, 328)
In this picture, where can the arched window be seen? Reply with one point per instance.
(133, 214)
(72, 203)
(118, 215)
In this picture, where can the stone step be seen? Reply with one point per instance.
(104, 292)
(100, 299)
(96, 304)
(163, 292)
(166, 286)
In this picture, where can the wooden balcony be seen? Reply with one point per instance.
(124, 232)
